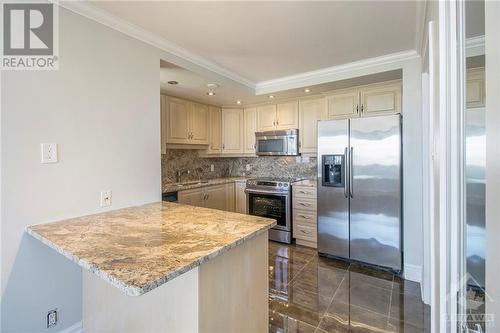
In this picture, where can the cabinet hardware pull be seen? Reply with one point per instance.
(362, 107)
(357, 108)
(305, 217)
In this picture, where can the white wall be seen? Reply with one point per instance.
(493, 162)
(102, 108)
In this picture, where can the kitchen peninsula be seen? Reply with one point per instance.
(167, 267)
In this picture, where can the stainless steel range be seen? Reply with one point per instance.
(272, 197)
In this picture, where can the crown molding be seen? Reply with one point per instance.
(88, 10)
(357, 68)
(475, 46)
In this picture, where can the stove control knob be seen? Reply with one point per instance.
(280, 184)
(286, 184)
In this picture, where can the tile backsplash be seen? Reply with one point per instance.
(266, 166)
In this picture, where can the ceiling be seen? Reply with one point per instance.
(261, 41)
(194, 86)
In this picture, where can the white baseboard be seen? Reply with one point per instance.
(75, 328)
(413, 273)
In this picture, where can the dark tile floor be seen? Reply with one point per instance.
(312, 294)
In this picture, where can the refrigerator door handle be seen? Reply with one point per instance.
(346, 176)
(351, 180)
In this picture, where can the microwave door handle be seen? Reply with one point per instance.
(346, 177)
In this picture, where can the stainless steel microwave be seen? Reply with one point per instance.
(280, 143)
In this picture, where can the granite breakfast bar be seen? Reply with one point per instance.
(166, 267)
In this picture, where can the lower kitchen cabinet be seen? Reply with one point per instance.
(214, 196)
(304, 215)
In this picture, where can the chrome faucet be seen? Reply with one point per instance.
(179, 174)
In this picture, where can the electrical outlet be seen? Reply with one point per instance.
(106, 197)
(52, 318)
(248, 167)
(49, 152)
(212, 168)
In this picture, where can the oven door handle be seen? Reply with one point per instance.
(281, 194)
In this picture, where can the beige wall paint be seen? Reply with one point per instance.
(102, 108)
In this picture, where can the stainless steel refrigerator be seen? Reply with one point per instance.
(359, 190)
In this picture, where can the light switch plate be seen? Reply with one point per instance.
(49, 153)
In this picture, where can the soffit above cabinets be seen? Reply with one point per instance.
(194, 87)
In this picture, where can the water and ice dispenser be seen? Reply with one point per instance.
(333, 170)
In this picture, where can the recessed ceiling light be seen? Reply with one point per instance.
(307, 90)
(173, 82)
(212, 85)
(238, 102)
(271, 96)
(210, 93)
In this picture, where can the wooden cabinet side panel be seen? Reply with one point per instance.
(250, 129)
(233, 289)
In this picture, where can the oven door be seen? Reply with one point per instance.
(272, 205)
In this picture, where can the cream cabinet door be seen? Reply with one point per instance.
(232, 131)
(250, 129)
(192, 197)
(287, 115)
(381, 99)
(343, 104)
(198, 123)
(310, 112)
(215, 197)
(215, 130)
(475, 88)
(177, 120)
(240, 198)
(266, 118)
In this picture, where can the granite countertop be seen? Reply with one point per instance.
(306, 182)
(139, 248)
(173, 187)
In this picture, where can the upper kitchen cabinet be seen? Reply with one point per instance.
(184, 122)
(343, 104)
(365, 101)
(215, 130)
(310, 112)
(177, 120)
(250, 124)
(475, 88)
(287, 115)
(266, 118)
(232, 131)
(383, 98)
(198, 123)
(277, 117)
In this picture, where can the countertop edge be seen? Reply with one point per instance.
(137, 291)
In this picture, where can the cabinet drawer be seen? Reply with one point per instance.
(305, 204)
(304, 192)
(305, 232)
(304, 217)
